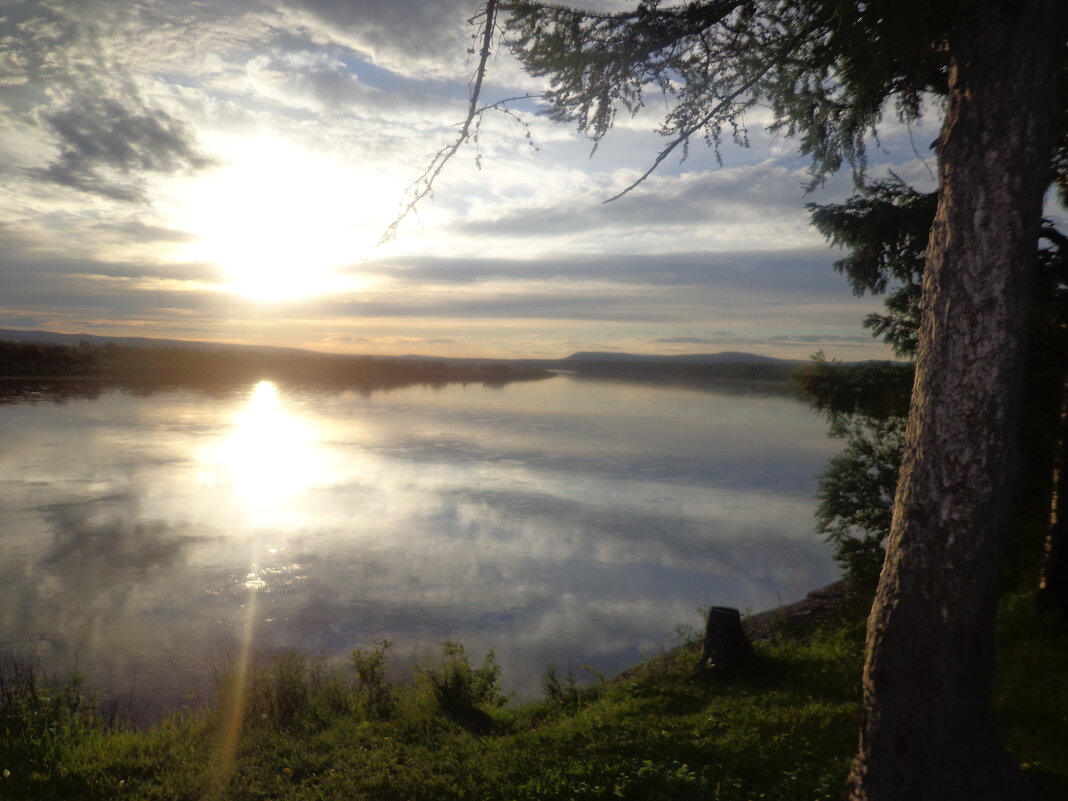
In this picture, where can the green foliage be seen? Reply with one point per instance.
(856, 492)
(629, 778)
(866, 405)
(375, 696)
(885, 229)
(874, 389)
(565, 694)
(457, 686)
(288, 692)
(782, 729)
(1030, 692)
(595, 61)
(811, 62)
(41, 722)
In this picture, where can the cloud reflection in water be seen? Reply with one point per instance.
(562, 522)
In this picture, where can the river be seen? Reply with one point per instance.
(147, 537)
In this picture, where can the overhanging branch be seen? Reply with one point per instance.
(685, 135)
(424, 185)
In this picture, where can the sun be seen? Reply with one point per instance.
(278, 221)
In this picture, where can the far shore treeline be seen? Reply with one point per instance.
(149, 366)
(172, 366)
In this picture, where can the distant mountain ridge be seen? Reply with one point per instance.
(146, 358)
(725, 357)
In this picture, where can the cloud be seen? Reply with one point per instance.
(104, 145)
(72, 82)
(409, 37)
(728, 339)
(721, 198)
(20, 321)
(326, 84)
(139, 231)
(692, 340)
(822, 339)
(24, 265)
(800, 270)
(111, 110)
(351, 339)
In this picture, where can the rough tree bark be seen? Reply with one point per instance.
(927, 732)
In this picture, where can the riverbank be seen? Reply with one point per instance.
(163, 367)
(783, 726)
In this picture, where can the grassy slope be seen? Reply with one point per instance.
(783, 727)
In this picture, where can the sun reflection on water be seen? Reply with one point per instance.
(270, 457)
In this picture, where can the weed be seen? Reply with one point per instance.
(289, 691)
(41, 722)
(376, 698)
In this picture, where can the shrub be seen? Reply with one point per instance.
(565, 694)
(376, 698)
(457, 686)
(856, 493)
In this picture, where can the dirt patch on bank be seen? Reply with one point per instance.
(820, 607)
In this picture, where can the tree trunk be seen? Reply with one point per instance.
(927, 732)
(1053, 583)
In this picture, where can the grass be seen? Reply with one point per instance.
(782, 727)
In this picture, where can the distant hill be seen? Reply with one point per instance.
(725, 357)
(161, 360)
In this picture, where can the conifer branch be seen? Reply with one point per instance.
(684, 137)
(424, 185)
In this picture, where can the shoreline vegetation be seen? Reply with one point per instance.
(147, 367)
(780, 726)
(162, 367)
(30, 368)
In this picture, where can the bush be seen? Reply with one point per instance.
(376, 698)
(856, 493)
(458, 687)
(565, 694)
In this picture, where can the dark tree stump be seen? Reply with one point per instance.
(725, 641)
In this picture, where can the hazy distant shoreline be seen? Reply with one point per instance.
(36, 355)
(116, 364)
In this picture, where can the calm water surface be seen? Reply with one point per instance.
(562, 522)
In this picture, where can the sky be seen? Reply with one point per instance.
(224, 171)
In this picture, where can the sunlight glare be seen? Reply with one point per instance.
(271, 456)
(277, 220)
(225, 762)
